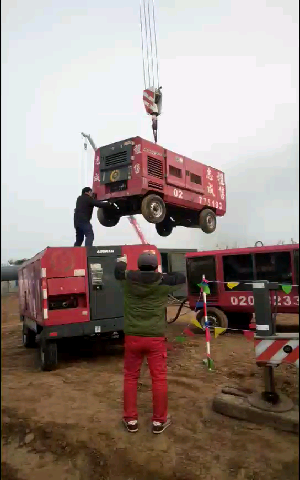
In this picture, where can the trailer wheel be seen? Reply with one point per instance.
(107, 218)
(207, 220)
(215, 317)
(165, 228)
(48, 356)
(153, 208)
(29, 337)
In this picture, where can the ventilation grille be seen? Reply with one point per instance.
(157, 186)
(195, 179)
(155, 168)
(175, 172)
(116, 159)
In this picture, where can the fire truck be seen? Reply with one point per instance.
(168, 189)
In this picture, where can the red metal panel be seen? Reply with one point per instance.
(64, 262)
(175, 164)
(67, 316)
(54, 265)
(134, 251)
(64, 286)
(242, 251)
(194, 168)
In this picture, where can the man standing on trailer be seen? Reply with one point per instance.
(82, 216)
(145, 302)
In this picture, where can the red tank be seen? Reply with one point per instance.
(168, 189)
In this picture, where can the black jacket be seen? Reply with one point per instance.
(84, 208)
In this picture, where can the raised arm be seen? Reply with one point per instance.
(120, 269)
(100, 203)
(173, 279)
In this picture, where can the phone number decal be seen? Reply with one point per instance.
(281, 301)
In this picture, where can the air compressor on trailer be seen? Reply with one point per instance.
(167, 188)
(72, 292)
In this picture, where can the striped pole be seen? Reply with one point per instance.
(208, 361)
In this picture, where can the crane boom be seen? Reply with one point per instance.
(131, 218)
(91, 141)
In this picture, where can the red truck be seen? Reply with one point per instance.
(234, 306)
(72, 292)
(168, 189)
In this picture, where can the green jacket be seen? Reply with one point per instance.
(146, 299)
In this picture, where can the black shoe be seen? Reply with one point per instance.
(132, 426)
(159, 427)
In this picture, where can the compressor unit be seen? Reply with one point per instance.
(72, 292)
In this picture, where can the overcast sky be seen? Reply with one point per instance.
(229, 71)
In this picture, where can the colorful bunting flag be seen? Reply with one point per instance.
(180, 339)
(286, 288)
(249, 335)
(218, 331)
(209, 363)
(188, 332)
(196, 323)
(232, 284)
(204, 287)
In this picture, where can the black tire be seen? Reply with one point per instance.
(165, 228)
(107, 218)
(216, 318)
(29, 337)
(48, 356)
(153, 208)
(208, 220)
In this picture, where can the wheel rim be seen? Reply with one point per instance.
(211, 320)
(210, 221)
(156, 210)
(42, 356)
(24, 338)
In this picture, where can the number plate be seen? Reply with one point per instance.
(97, 329)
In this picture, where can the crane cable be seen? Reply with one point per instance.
(149, 44)
(152, 95)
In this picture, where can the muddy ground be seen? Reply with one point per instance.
(65, 424)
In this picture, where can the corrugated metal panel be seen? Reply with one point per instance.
(178, 264)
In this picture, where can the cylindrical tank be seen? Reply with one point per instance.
(9, 273)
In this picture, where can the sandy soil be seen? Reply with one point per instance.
(65, 424)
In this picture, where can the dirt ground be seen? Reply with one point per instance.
(65, 424)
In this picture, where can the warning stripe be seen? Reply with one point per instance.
(272, 351)
(45, 295)
(268, 350)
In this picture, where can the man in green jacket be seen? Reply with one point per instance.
(145, 302)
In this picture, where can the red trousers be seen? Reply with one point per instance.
(154, 348)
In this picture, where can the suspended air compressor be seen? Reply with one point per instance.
(168, 189)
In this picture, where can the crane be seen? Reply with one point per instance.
(131, 218)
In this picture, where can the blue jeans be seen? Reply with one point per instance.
(84, 230)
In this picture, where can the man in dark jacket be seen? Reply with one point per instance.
(145, 302)
(82, 216)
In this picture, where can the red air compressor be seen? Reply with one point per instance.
(167, 188)
(72, 292)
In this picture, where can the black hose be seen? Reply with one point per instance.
(178, 312)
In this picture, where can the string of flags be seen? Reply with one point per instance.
(286, 288)
(249, 334)
(205, 290)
